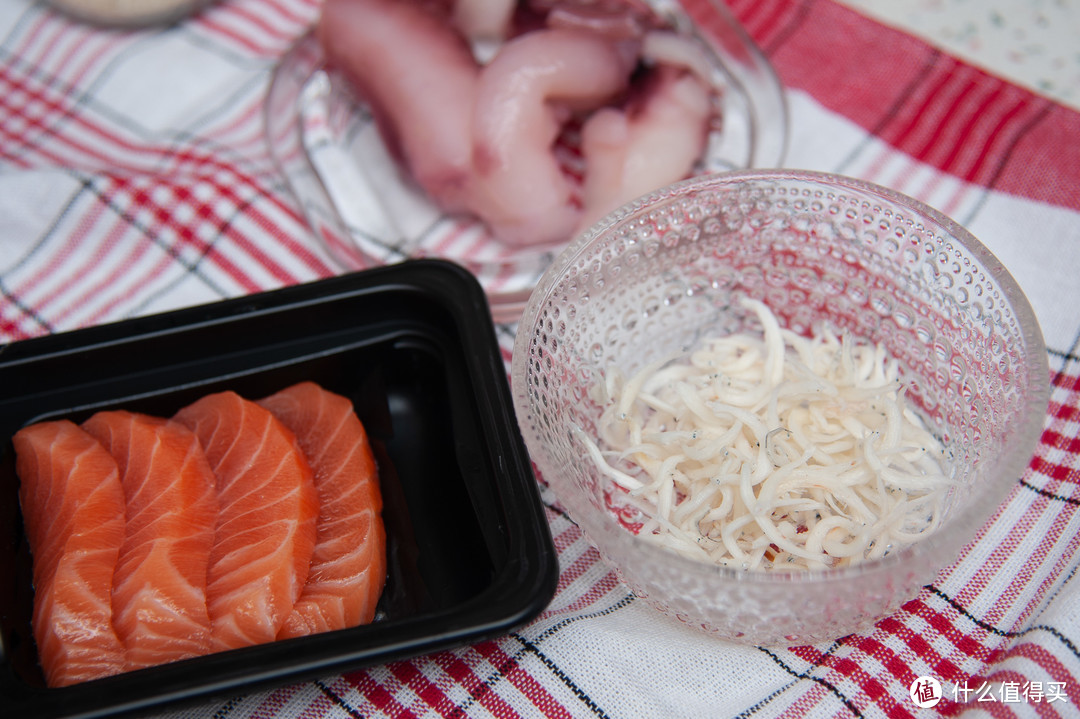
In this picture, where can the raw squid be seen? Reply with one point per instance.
(474, 95)
(419, 76)
(526, 94)
(653, 142)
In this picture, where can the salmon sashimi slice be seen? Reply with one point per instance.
(348, 567)
(267, 509)
(159, 588)
(73, 515)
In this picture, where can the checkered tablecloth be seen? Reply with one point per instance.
(134, 178)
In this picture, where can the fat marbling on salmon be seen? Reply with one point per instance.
(267, 508)
(348, 567)
(159, 588)
(73, 516)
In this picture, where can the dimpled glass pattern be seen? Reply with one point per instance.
(653, 278)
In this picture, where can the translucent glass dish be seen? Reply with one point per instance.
(651, 279)
(367, 213)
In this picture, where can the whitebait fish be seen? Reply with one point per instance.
(772, 452)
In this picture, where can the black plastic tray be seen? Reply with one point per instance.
(470, 552)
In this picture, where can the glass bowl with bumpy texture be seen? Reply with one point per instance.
(653, 277)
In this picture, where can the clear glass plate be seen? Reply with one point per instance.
(366, 211)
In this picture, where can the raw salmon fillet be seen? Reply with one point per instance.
(348, 567)
(159, 588)
(267, 507)
(73, 514)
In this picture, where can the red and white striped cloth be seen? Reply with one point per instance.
(134, 178)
